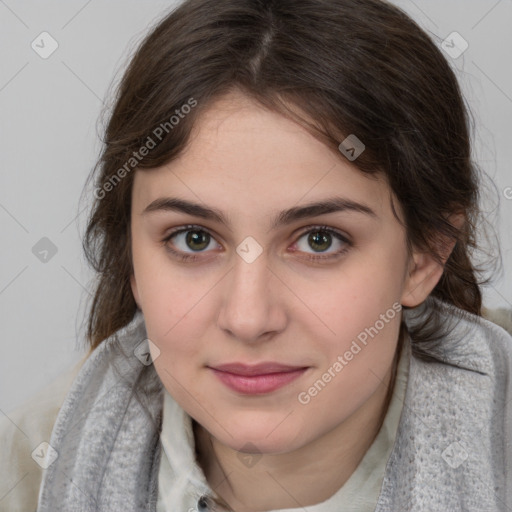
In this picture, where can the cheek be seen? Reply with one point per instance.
(175, 321)
(363, 338)
(360, 321)
(354, 299)
(178, 312)
(178, 331)
(168, 294)
(356, 366)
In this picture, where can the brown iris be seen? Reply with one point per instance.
(201, 238)
(321, 239)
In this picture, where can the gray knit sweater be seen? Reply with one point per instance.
(453, 449)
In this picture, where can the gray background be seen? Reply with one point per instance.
(49, 139)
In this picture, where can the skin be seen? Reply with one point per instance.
(250, 164)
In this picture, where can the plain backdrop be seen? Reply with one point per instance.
(49, 143)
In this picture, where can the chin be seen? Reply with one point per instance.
(256, 435)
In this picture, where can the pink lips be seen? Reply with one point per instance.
(256, 379)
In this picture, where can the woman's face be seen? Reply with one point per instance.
(269, 279)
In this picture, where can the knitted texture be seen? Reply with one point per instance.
(452, 451)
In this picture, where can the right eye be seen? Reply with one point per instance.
(189, 240)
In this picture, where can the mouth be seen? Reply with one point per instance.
(257, 379)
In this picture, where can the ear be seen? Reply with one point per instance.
(425, 271)
(135, 290)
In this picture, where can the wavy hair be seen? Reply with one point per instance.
(337, 67)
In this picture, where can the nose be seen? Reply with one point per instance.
(253, 308)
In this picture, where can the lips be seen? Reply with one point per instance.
(257, 369)
(257, 379)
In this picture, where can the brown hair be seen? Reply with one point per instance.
(358, 67)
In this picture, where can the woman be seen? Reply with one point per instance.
(287, 315)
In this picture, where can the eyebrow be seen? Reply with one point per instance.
(329, 205)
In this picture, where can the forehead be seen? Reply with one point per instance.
(241, 156)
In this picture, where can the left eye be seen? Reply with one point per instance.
(321, 239)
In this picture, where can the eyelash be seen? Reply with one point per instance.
(309, 229)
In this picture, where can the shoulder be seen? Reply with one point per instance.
(461, 382)
(25, 433)
(453, 435)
